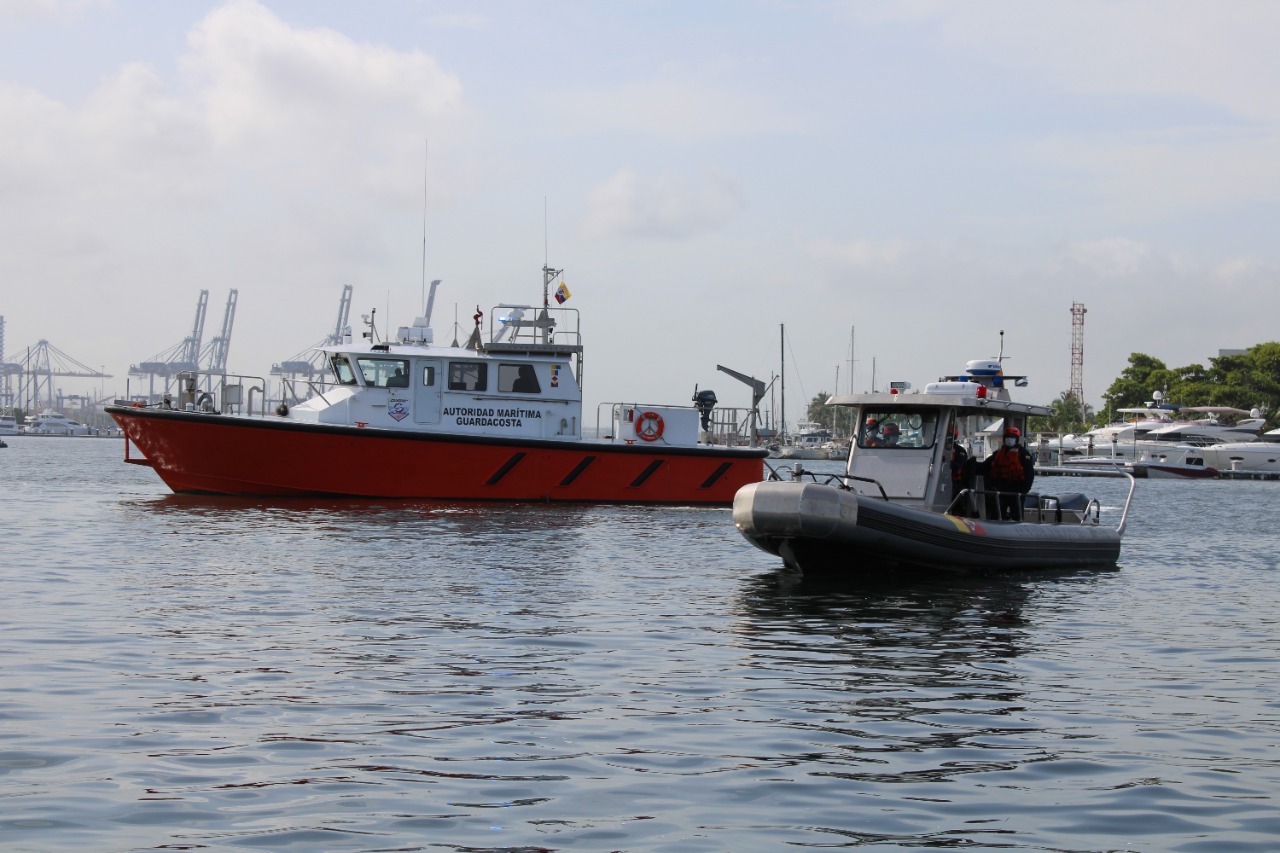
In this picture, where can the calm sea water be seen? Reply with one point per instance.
(218, 674)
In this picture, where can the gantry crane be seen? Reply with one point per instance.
(215, 352)
(306, 364)
(36, 369)
(180, 358)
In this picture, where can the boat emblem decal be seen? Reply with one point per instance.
(967, 525)
(555, 376)
(398, 408)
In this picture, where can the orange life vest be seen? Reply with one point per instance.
(1006, 465)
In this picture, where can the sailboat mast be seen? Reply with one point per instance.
(782, 359)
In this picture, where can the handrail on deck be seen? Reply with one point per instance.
(1128, 501)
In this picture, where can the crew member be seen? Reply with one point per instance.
(869, 433)
(959, 459)
(1009, 471)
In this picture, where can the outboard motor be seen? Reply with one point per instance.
(704, 402)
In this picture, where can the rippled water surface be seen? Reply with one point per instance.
(217, 674)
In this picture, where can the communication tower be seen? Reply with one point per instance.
(1077, 351)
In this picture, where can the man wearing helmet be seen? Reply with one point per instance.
(870, 429)
(1010, 471)
(889, 435)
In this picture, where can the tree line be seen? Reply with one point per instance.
(1247, 380)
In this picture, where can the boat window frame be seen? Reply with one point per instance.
(927, 428)
(379, 371)
(510, 374)
(337, 364)
(477, 383)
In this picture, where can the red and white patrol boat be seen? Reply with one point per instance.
(496, 419)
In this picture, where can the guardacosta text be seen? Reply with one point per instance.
(466, 416)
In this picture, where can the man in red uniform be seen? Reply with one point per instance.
(1010, 471)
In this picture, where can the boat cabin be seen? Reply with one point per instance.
(909, 446)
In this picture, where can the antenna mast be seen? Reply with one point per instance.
(425, 144)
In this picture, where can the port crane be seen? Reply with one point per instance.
(306, 364)
(35, 370)
(181, 357)
(215, 352)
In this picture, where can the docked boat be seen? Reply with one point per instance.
(810, 441)
(1191, 468)
(908, 505)
(499, 418)
(50, 422)
(8, 425)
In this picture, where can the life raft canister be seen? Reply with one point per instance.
(649, 426)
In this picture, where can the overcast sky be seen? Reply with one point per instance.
(916, 176)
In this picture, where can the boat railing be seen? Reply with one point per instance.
(1102, 472)
(528, 326)
(610, 417)
(290, 394)
(201, 391)
(840, 481)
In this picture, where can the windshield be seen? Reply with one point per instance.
(342, 370)
(896, 428)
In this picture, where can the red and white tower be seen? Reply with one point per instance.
(1077, 351)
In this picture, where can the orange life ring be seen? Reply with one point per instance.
(649, 426)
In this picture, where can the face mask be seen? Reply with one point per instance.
(1011, 442)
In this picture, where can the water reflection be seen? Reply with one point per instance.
(905, 683)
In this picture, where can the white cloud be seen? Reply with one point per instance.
(672, 108)
(20, 12)
(667, 207)
(1111, 257)
(310, 101)
(859, 254)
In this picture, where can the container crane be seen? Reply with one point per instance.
(182, 357)
(215, 352)
(36, 369)
(306, 364)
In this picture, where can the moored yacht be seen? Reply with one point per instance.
(50, 422)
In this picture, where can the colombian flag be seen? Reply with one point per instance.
(562, 293)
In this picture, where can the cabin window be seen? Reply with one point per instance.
(518, 379)
(896, 428)
(343, 371)
(429, 376)
(468, 376)
(384, 372)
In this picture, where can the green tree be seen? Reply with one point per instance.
(1137, 382)
(1245, 380)
(1068, 414)
(820, 412)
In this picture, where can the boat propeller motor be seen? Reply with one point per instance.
(704, 402)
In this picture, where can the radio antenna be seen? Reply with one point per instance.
(425, 144)
(546, 255)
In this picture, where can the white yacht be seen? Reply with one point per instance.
(50, 422)
(8, 425)
(810, 441)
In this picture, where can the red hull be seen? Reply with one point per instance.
(215, 454)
